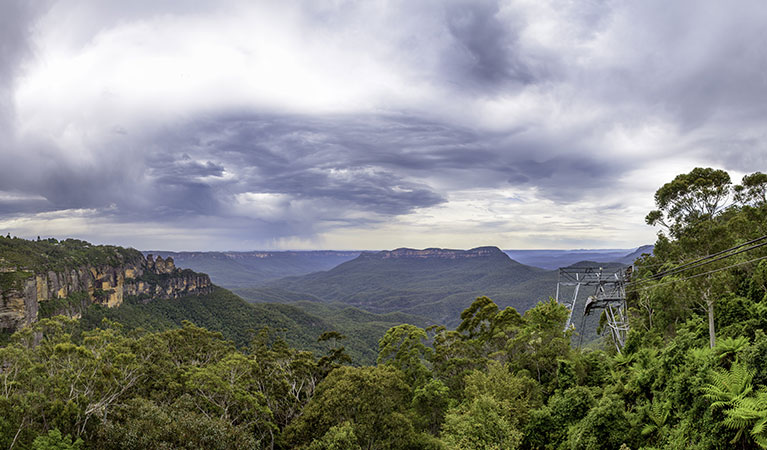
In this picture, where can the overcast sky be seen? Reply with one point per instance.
(239, 125)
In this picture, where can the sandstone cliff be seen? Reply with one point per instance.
(436, 253)
(27, 293)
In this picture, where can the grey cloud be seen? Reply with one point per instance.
(568, 178)
(16, 20)
(166, 170)
(697, 68)
(375, 162)
(308, 159)
(746, 153)
(486, 51)
(692, 62)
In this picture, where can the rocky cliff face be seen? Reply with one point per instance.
(25, 293)
(438, 253)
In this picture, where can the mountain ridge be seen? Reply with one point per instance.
(434, 283)
(249, 268)
(434, 252)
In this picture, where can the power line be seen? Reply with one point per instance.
(664, 273)
(703, 261)
(683, 262)
(704, 273)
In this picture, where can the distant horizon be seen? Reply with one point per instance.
(395, 248)
(594, 249)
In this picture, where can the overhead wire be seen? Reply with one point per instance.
(712, 255)
(703, 261)
(705, 273)
(682, 262)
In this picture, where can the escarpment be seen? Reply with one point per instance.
(33, 286)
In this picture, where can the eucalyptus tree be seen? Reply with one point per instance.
(689, 198)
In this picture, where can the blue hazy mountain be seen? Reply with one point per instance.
(434, 283)
(553, 259)
(246, 269)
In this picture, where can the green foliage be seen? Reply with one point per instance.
(14, 280)
(657, 414)
(540, 343)
(689, 198)
(52, 255)
(480, 425)
(225, 312)
(516, 394)
(430, 403)
(728, 349)
(606, 426)
(72, 305)
(752, 190)
(404, 347)
(338, 437)
(55, 441)
(372, 399)
(745, 410)
(335, 356)
(749, 414)
(140, 423)
(152, 377)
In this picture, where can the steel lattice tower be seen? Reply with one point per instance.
(609, 295)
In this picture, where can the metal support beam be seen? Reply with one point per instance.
(609, 295)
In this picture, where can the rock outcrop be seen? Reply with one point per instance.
(437, 253)
(24, 291)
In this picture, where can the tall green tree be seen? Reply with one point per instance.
(404, 347)
(373, 400)
(688, 198)
(752, 190)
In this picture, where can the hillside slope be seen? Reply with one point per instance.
(221, 310)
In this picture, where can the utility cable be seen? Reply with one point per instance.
(753, 241)
(704, 273)
(703, 261)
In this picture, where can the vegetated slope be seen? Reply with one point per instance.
(245, 269)
(273, 294)
(238, 321)
(433, 283)
(53, 255)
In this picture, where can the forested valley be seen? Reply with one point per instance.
(692, 373)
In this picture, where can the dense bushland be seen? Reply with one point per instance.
(693, 373)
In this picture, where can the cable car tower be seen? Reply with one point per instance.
(609, 295)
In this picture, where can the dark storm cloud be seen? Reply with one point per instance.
(338, 160)
(375, 163)
(568, 178)
(486, 53)
(166, 170)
